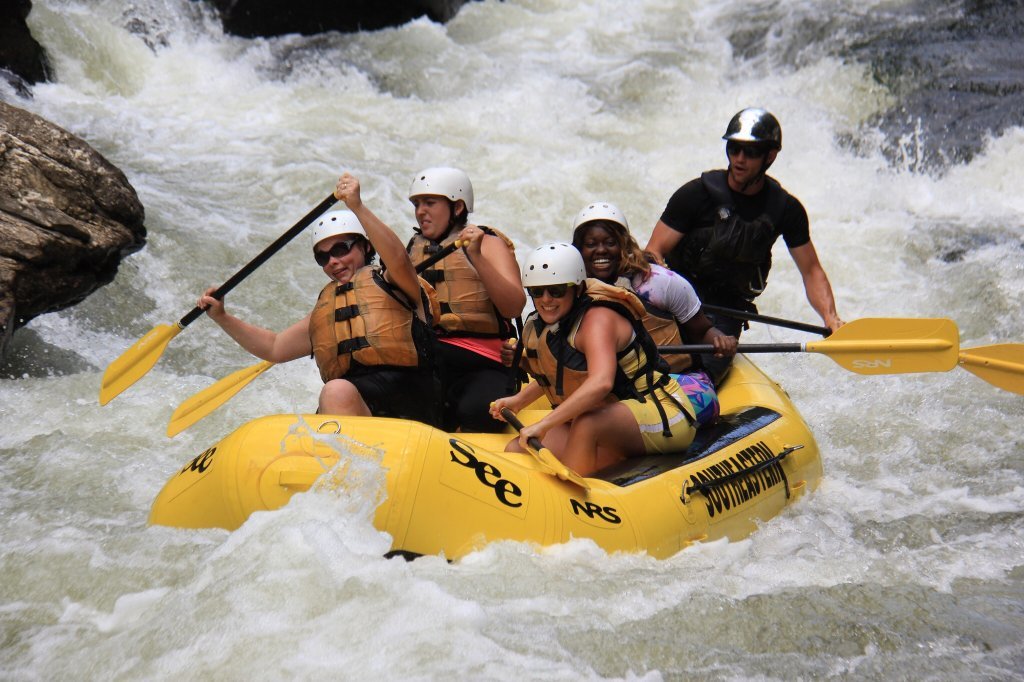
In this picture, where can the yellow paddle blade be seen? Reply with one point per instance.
(893, 345)
(547, 460)
(1001, 365)
(209, 399)
(136, 361)
(555, 466)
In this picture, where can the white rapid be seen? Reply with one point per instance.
(905, 563)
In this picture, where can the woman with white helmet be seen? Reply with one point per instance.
(479, 292)
(586, 347)
(673, 313)
(370, 330)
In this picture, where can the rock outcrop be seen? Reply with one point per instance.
(67, 218)
(21, 57)
(252, 18)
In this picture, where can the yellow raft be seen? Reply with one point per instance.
(451, 494)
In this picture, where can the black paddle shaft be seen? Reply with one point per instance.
(451, 248)
(789, 324)
(259, 260)
(741, 348)
(510, 416)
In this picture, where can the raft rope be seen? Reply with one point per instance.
(707, 486)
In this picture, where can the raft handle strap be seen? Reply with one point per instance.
(707, 486)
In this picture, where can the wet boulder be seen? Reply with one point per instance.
(67, 218)
(22, 59)
(251, 18)
(957, 75)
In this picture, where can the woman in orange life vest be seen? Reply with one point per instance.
(377, 361)
(587, 349)
(479, 292)
(611, 254)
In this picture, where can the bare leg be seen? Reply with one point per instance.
(600, 438)
(339, 396)
(554, 440)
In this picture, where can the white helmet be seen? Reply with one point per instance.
(600, 210)
(334, 223)
(557, 263)
(443, 182)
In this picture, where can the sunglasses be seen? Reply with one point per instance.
(554, 290)
(339, 250)
(748, 150)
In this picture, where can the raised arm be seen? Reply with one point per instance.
(496, 264)
(389, 247)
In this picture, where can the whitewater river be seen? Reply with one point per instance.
(907, 562)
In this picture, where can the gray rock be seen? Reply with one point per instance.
(252, 18)
(958, 75)
(67, 218)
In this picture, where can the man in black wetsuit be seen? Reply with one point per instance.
(717, 231)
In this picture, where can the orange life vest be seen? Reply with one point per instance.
(367, 323)
(663, 328)
(550, 356)
(466, 307)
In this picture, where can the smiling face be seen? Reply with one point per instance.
(746, 163)
(343, 268)
(601, 251)
(552, 309)
(433, 215)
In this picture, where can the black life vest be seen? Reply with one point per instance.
(729, 256)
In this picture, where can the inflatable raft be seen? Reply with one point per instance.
(451, 494)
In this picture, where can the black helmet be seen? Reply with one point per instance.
(755, 125)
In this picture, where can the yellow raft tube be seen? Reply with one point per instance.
(451, 494)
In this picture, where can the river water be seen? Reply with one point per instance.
(906, 563)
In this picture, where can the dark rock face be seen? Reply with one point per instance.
(250, 18)
(958, 75)
(20, 54)
(67, 218)
(954, 67)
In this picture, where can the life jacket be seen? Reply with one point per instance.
(367, 323)
(663, 328)
(728, 255)
(550, 356)
(466, 307)
(664, 331)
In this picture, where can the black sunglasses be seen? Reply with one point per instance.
(554, 290)
(339, 250)
(749, 150)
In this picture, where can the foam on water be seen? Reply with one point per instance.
(906, 558)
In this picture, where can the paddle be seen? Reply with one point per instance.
(871, 346)
(140, 358)
(754, 317)
(1001, 365)
(547, 460)
(209, 399)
